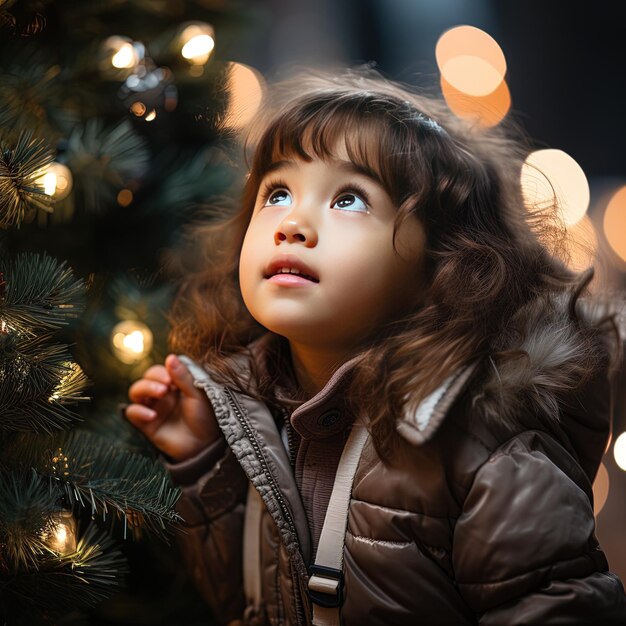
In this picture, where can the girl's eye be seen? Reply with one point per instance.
(350, 202)
(279, 197)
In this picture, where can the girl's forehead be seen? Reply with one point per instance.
(361, 150)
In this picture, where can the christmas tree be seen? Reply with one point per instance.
(112, 120)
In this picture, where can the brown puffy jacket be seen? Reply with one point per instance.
(472, 523)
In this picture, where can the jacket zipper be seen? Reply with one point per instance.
(273, 485)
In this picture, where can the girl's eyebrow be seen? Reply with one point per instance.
(346, 166)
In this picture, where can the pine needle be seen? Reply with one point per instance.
(99, 475)
(79, 579)
(39, 293)
(20, 168)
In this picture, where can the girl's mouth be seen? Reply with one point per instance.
(286, 271)
(289, 269)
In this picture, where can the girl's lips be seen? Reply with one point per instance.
(290, 262)
(290, 280)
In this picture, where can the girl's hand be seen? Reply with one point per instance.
(176, 416)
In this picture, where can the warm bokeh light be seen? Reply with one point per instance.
(471, 75)
(151, 116)
(469, 41)
(470, 61)
(600, 489)
(131, 341)
(485, 111)
(619, 451)
(615, 222)
(125, 57)
(57, 181)
(120, 53)
(138, 108)
(124, 197)
(245, 89)
(197, 41)
(582, 244)
(551, 173)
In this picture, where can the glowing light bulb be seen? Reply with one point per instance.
(151, 116)
(125, 57)
(131, 341)
(198, 49)
(60, 533)
(120, 53)
(619, 451)
(197, 41)
(57, 181)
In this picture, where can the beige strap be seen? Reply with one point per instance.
(252, 548)
(326, 581)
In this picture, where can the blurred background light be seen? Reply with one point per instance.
(619, 451)
(197, 41)
(473, 69)
(549, 174)
(615, 222)
(57, 181)
(120, 53)
(485, 111)
(600, 489)
(470, 60)
(131, 341)
(245, 88)
(582, 244)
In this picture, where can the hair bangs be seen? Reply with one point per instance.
(326, 128)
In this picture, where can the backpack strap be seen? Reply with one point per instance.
(252, 551)
(326, 574)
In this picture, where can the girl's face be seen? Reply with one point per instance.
(331, 227)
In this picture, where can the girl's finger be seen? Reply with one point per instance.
(143, 388)
(138, 414)
(181, 376)
(159, 374)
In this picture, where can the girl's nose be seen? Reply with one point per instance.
(294, 229)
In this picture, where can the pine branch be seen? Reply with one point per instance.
(39, 294)
(20, 167)
(102, 159)
(99, 475)
(80, 579)
(26, 502)
(38, 382)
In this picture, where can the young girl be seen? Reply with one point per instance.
(381, 334)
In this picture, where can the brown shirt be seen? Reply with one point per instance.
(317, 431)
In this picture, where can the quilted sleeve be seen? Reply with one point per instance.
(212, 505)
(525, 550)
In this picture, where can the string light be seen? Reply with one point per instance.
(60, 533)
(120, 53)
(57, 181)
(197, 41)
(131, 341)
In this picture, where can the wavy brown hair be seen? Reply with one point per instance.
(487, 255)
